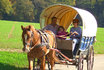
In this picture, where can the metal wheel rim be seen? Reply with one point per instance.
(80, 62)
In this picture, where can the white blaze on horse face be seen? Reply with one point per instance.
(27, 49)
(26, 44)
(25, 36)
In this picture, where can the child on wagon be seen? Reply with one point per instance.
(61, 34)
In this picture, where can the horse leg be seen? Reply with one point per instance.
(30, 64)
(49, 66)
(34, 63)
(42, 67)
(52, 63)
(51, 59)
(30, 61)
(38, 64)
(48, 62)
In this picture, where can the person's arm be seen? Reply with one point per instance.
(71, 32)
(62, 36)
(79, 33)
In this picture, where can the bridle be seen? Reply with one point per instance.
(32, 35)
(30, 44)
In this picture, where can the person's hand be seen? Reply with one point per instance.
(62, 36)
(76, 33)
(71, 33)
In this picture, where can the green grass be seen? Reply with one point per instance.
(13, 61)
(10, 35)
(99, 44)
(10, 38)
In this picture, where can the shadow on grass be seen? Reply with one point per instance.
(10, 67)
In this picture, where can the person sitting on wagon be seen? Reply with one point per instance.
(61, 34)
(53, 26)
(75, 34)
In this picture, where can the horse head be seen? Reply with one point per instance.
(27, 37)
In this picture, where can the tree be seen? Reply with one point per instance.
(68, 2)
(5, 8)
(39, 6)
(24, 10)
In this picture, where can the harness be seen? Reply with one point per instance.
(44, 40)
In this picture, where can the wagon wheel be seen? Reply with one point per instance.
(90, 58)
(80, 61)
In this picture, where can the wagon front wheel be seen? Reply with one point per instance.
(90, 58)
(80, 61)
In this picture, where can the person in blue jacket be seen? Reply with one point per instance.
(75, 34)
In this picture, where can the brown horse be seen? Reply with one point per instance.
(33, 45)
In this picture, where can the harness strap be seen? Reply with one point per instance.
(45, 35)
(44, 38)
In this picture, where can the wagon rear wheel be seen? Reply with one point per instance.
(80, 61)
(90, 58)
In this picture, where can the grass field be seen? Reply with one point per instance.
(10, 35)
(13, 61)
(99, 45)
(10, 38)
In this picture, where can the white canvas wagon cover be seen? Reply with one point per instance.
(65, 15)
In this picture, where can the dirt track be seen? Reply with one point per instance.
(98, 64)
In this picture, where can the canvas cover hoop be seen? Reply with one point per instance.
(65, 15)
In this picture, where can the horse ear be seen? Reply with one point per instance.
(30, 27)
(22, 27)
